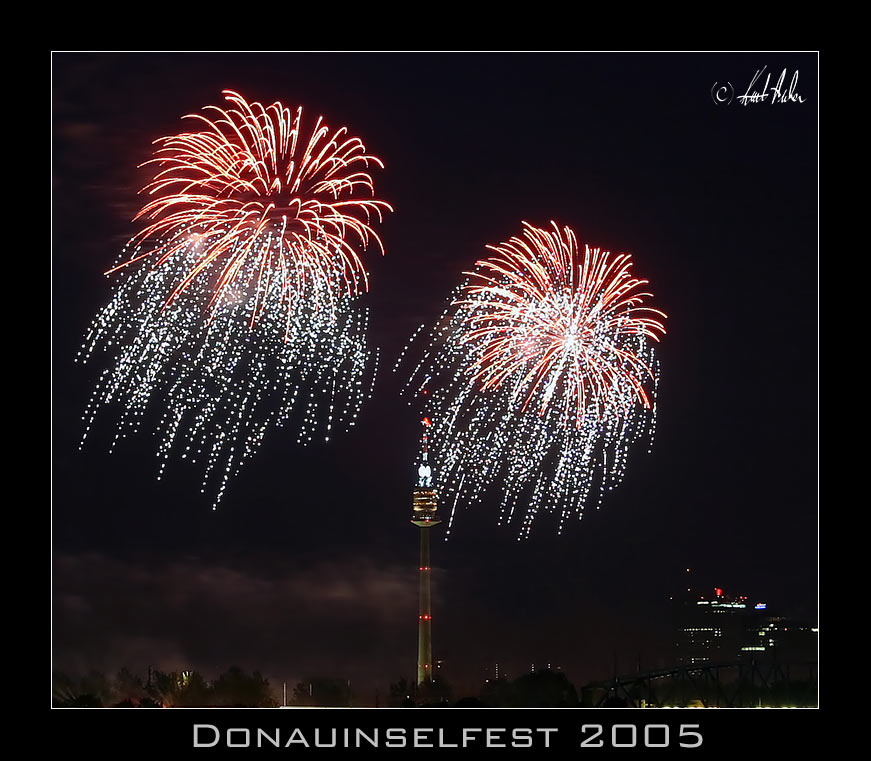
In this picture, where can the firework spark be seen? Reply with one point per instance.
(540, 376)
(236, 305)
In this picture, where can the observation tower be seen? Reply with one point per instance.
(425, 516)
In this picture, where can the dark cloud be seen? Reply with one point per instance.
(341, 618)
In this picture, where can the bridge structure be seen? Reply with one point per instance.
(725, 685)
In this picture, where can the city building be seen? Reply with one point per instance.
(724, 629)
(781, 639)
(712, 629)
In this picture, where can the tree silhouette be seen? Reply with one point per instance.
(236, 688)
(499, 693)
(170, 689)
(434, 692)
(401, 694)
(544, 689)
(128, 688)
(323, 691)
(185, 689)
(470, 702)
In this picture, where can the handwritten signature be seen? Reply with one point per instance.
(779, 92)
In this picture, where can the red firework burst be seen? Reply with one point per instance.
(557, 327)
(255, 197)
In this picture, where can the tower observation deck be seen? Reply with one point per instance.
(424, 516)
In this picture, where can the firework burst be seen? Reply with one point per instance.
(540, 376)
(236, 305)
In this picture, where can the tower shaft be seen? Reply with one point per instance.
(424, 625)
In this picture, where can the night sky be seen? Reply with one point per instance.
(309, 566)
